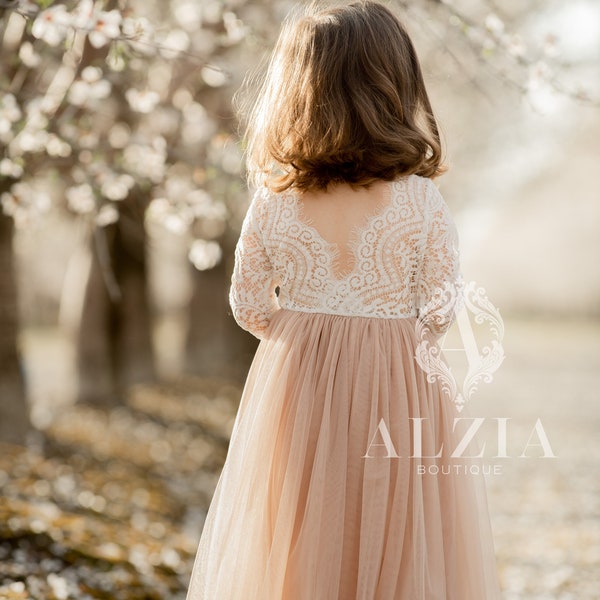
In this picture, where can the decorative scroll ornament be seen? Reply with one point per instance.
(454, 302)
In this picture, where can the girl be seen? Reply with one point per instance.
(323, 495)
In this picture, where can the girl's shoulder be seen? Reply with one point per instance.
(417, 188)
(425, 195)
(429, 190)
(265, 205)
(266, 200)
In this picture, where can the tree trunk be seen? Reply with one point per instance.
(14, 412)
(216, 344)
(115, 341)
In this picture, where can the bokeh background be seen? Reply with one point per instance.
(122, 192)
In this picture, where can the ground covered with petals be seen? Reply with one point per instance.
(110, 503)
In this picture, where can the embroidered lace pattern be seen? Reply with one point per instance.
(402, 254)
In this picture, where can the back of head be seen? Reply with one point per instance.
(343, 101)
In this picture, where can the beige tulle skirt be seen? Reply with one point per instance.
(316, 503)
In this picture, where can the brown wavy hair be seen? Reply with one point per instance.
(343, 101)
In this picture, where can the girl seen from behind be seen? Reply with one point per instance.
(344, 244)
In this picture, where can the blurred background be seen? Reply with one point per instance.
(122, 192)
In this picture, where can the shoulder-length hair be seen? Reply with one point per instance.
(343, 101)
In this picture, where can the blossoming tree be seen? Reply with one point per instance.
(112, 118)
(117, 114)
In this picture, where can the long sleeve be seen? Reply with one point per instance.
(438, 295)
(252, 293)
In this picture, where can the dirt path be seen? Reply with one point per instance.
(546, 511)
(110, 504)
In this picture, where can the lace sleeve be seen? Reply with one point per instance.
(252, 293)
(437, 291)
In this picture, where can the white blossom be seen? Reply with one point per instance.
(188, 14)
(107, 215)
(9, 114)
(550, 47)
(204, 206)
(34, 110)
(102, 26)
(80, 199)
(9, 108)
(166, 214)
(142, 101)
(494, 24)
(158, 207)
(59, 586)
(205, 254)
(540, 94)
(515, 45)
(9, 168)
(147, 160)
(24, 203)
(539, 73)
(199, 127)
(106, 27)
(52, 25)
(223, 151)
(83, 16)
(91, 86)
(91, 74)
(116, 187)
(175, 42)
(28, 56)
(139, 33)
(29, 139)
(176, 223)
(55, 146)
(236, 31)
(119, 135)
(212, 11)
(179, 186)
(213, 76)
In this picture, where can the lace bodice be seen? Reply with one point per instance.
(402, 254)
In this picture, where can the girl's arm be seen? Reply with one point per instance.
(438, 293)
(252, 293)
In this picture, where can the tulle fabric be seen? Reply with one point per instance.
(300, 513)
